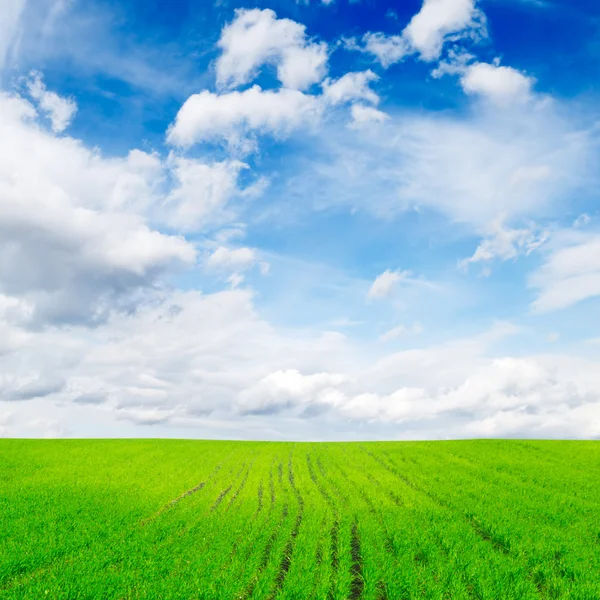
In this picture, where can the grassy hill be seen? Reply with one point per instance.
(202, 519)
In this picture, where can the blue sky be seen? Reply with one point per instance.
(314, 220)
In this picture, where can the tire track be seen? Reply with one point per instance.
(266, 554)
(497, 543)
(243, 484)
(189, 492)
(226, 491)
(259, 493)
(358, 583)
(313, 476)
(289, 548)
(272, 483)
(481, 530)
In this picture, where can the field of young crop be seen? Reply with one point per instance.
(187, 519)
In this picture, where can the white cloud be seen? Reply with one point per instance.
(384, 284)
(351, 86)
(59, 110)
(503, 243)
(524, 163)
(582, 220)
(455, 64)
(201, 192)
(366, 115)
(438, 21)
(10, 15)
(232, 258)
(457, 384)
(502, 86)
(199, 364)
(387, 49)
(70, 244)
(287, 389)
(257, 37)
(400, 331)
(570, 273)
(235, 116)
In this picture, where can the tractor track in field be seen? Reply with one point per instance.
(358, 583)
(288, 551)
(484, 532)
(226, 491)
(266, 554)
(185, 494)
(389, 493)
(356, 569)
(259, 494)
(335, 546)
(272, 482)
(381, 591)
(313, 476)
(393, 468)
(479, 528)
(243, 484)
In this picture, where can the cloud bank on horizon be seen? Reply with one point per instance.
(305, 221)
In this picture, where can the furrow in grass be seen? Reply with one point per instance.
(286, 561)
(266, 554)
(186, 494)
(389, 493)
(220, 498)
(381, 591)
(242, 484)
(272, 483)
(259, 494)
(358, 583)
(226, 491)
(484, 532)
(318, 485)
(335, 559)
(395, 471)
(174, 502)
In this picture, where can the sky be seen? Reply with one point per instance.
(311, 220)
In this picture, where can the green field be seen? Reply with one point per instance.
(198, 519)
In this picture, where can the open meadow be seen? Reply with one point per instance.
(202, 519)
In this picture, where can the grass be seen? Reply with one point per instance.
(197, 519)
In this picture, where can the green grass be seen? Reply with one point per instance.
(187, 519)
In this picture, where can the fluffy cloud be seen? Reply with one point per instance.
(384, 284)
(287, 389)
(59, 110)
(439, 19)
(234, 116)
(503, 243)
(570, 273)
(201, 192)
(366, 115)
(352, 86)
(387, 49)
(501, 85)
(257, 37)
(209, 364)
(436, 22)
(232, 258)
(70, 246)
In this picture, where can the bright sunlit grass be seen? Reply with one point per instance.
(187, 519)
